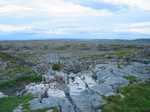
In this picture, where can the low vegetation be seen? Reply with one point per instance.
(15, 71)
(7, 57)
(132, 79)
(7, 104)
(122, 53)
(63, 47)
(57, 67)
(18, 61)
(13, 85)
(16, 74)
(55, 109)
(132, 98)
(19, 80)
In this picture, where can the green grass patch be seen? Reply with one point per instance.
(57, 67)
(13, 71)
(132, 79)
(14, 68)
(122, 53)
(7, 57)
(136, 98)
(18, 82)
(94, 57)
(63, 47)
(16, 76)
(7, 104)
(55, 109)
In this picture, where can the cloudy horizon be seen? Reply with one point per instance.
(77, 19)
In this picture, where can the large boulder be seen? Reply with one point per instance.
(103, 89)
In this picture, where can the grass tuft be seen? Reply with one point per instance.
(57, 67)
(135, 98)
(7, 104)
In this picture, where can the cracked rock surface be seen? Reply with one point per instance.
(84, 91)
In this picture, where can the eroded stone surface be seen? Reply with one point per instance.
(82, 92)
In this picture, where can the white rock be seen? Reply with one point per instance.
(77, 86)
(49, 110)
(56, 93)
(2, 95)
(90, 82)
(36, 89)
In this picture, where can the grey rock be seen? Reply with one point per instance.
(18, 109)
(103, 89)
(88, 101)
(116, 82)
(80, 92)
(51, 102)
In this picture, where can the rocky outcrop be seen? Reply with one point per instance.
(83, 92)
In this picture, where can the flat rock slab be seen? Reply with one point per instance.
(87, 101)
(51, 102)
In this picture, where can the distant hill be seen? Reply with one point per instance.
(104, 38)
(143, 41)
